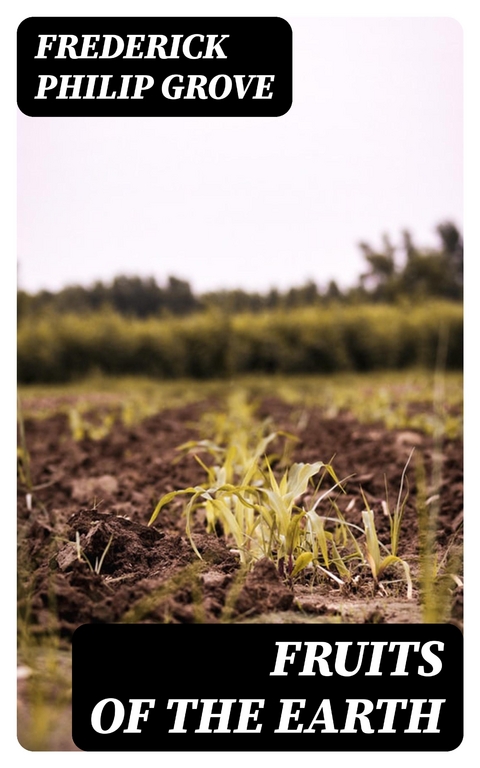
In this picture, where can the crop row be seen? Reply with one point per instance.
(312, 340)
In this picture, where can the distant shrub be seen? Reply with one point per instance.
(61, 348)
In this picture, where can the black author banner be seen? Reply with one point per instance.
(154, 66)
(267, 687)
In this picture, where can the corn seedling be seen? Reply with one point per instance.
(97, 566)
(263, 515)
(437, 576)
(378, 563)
(81, 428)
(237, 442)
(23, 459)
(396, 517)
(24, 471)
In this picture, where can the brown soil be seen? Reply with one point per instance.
(101, 494)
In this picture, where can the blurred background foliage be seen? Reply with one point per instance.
(406, 305)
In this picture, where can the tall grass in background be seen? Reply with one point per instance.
(63, 348)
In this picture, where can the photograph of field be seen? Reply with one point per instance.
(231, 418)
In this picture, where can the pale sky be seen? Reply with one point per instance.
(372, 144)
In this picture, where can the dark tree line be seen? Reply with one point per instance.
(129, 296)
(394, 272)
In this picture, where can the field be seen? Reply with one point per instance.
(270, 499)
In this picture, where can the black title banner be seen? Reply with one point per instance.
(154, 67)
(268, 687)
